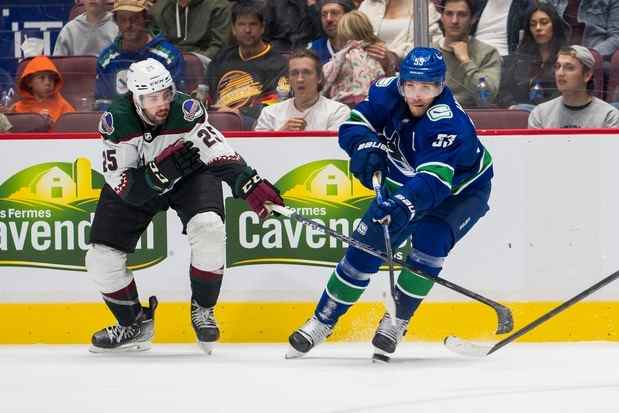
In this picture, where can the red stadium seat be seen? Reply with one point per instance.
(499, 118)
(612, 94)
(225, 121)
(79, 74)
(598, 75)
(194, 72)
(77, 122)
(28, 122)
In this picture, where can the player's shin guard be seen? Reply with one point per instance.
(343, 289)
(411, 289)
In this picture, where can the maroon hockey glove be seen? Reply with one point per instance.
(174, 162)
(256, 191)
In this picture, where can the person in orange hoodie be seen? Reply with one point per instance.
(39, 87)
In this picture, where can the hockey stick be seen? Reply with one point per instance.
(467, 348)
(504, 314)
(389, 299)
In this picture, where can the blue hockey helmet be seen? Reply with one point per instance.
(423, 64)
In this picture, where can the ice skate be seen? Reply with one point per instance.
(308, 336)
(205, 326)
(387, 337)
(136, 337)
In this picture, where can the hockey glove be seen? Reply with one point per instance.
(399, 208)
(174, 162)
(369, 156)
(256, 191)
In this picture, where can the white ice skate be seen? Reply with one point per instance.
(308, 336)
(387, 337)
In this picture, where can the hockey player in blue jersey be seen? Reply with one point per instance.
(437, 183)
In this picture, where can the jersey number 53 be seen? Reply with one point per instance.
(443, 140)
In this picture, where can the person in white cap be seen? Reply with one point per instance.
(576, 107)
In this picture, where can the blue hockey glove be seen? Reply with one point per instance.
(369, 156)
(399, 208)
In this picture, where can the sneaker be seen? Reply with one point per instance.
(135, 337)
(205, 326)
(387, 337)
(312, 333)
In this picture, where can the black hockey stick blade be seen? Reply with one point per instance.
(504, 314)
(470, 349)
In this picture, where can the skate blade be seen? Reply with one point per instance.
(380, 356)
(293, 354)
(207, 347)
(129, 348)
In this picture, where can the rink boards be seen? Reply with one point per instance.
(550, 233)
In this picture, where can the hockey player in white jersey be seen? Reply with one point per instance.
(160, 152)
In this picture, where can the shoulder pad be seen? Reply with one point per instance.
(440, 111)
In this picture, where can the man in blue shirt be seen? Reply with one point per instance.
(134, 43)
(330, 13)
(437, 182)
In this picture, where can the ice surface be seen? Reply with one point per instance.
(334, 378)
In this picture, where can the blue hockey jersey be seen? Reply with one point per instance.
(434, 157)
(113, 64)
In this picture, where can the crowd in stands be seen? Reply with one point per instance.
(303, 64)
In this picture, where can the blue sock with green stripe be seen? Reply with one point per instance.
(411, 289)
(341, 293)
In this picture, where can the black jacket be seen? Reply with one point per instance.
(291, 24)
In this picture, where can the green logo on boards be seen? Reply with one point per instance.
(321, 190)
(45, 216)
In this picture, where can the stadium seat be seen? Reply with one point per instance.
(598, 75)
(77, 122)
(612, 94)
(225, 121)
(499, 118)
(194, 72)
(28, 122)
(79, 74)
(79, 7)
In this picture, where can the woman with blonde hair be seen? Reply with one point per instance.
(352, 70)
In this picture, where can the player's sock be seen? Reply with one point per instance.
(124, 304)
(205, 286)
(341, 293)
(411, 289)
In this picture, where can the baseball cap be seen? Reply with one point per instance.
(130, 5)
(581, 53)
(346, 4)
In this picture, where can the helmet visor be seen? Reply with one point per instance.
(157, 99)
(412, 90)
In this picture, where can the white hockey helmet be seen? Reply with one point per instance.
(147, 77)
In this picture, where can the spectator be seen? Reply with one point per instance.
(330, 13)
(576, 107)
(393, 22)
(291, 24)
(501, 22)
(528, 75)
(89, 33)
(200, 27)
(134, 43)
(5, 125)
(595, 23)
(470, 62)
(308, 109)
(351, 72)
(244, 78)
(39, 87)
